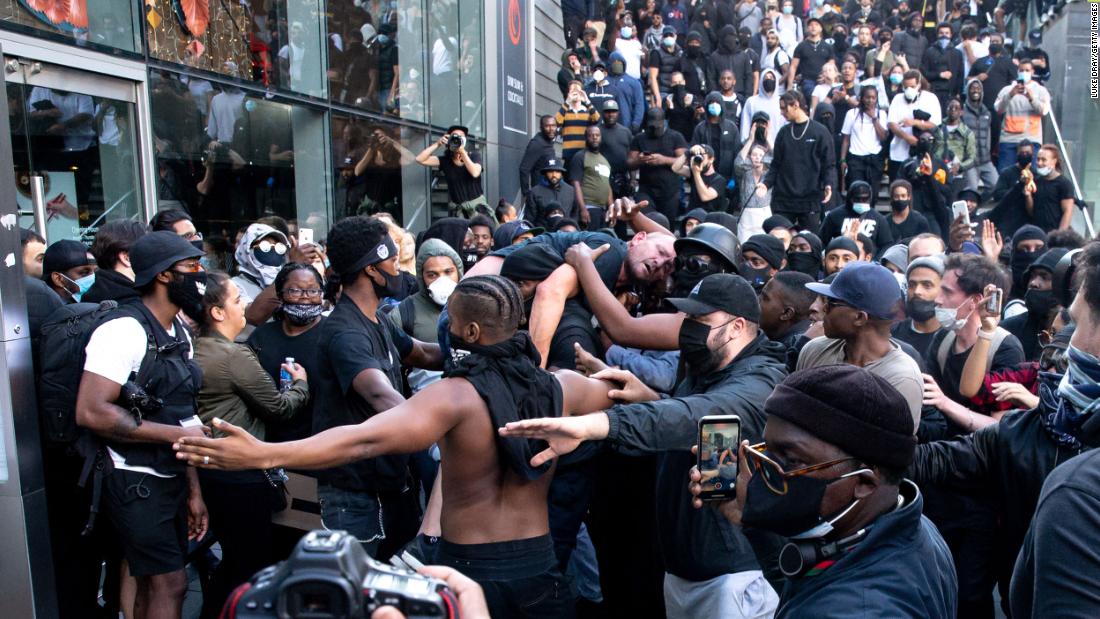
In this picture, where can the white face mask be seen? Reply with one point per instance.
(948, 318)
(911, 93)
(440, 290)
(1043, 171)
(598, 76)
(826, 527)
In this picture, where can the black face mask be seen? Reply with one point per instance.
(301, 314)
(186, 291)
(788, 514)
(729, 42)
(919, 309)
(391, 287)
(769, 86)
(1039, 302)
(694, 352)
(756, 277)
(804, 262)
(269, 258)
(1023, 159)
(694, 52)
(899, 205)
(995, 50)
(655, 130)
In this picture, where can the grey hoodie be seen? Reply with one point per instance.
(977, 118)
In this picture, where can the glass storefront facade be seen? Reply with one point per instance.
(306, 109)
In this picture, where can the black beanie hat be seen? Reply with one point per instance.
(851, 408)
(842, 242)
(767, 247)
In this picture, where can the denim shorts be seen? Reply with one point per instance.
(356, 511)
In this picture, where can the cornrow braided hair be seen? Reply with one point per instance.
(490, 295)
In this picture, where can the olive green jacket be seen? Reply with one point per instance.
(235, 387)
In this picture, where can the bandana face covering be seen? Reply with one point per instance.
(301, 314)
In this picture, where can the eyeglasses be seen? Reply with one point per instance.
(775, 478)
(308, 293)
(693, 264)
(266, 246)
(831, 303)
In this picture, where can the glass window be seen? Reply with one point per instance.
(81, 143)
(454, 45)
(273, 43)
(377, 172)
(244, 158)
(112, 23)
(376, 59)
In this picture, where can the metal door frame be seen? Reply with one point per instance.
(114, 68)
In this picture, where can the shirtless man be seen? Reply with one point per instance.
(494, 519)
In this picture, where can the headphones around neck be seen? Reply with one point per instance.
(800, 556)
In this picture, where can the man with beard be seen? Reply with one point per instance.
(553, 189)
(615, 139)
(1040, 301)
(539, 150)
(923, 276)
(652, 153)
(730, 367)
(590, 174)
(152, 500)
(494, 501)
(776, 59)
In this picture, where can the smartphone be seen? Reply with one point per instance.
(719, 440)
(993, 306)
(959, 209)
(305, 236)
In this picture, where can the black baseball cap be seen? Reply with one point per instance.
(507, 232)
(866, 286)
(553, 165)
(157, 251)
(722, 292)
(65, 254)
(761, 116)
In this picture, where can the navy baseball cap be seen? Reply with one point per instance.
(722, 292)
(866, 286)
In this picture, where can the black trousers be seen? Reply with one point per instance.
(867, 168)
(240, 519)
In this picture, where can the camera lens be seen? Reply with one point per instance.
(696, 159)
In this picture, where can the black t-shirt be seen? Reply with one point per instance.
(716, 182)
(348, 344)
(660, 178)
(1048, 201)
(615, 146)
(904, 332)
(1027, 331)
(914, 224)
(609, 265)
(871, 223)
(1009, 354)
(811, 57)
(272, 346)
(461, 187)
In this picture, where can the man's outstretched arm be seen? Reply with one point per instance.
(407, 428)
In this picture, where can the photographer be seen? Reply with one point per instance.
(708, 187)
(461, 168)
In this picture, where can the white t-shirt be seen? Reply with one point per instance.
(225, 108)
(900, 110)
(862, 140)
(632, 51)
(981, 50)
(115, 351)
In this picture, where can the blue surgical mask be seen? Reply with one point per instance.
(861, 207)
(787, 10)
(714, 109)
(626, 32)
(669, 41)
(383, 39)
(84, 284)
(249, 105)
(1024, 76)
(895, 78)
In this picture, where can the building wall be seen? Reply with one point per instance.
(548, 50)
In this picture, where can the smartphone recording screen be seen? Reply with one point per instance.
(718, 455)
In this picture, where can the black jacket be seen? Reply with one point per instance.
(543, 194)
(872, 223)
(699, 544)
(724, 137)
(935, 61)
(538, 151)
(1011, 459)
(111, 286)
(901, 569)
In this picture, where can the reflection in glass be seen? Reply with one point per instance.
(375, 56)
(112, 23)
(375, 165)
(274, 43)
(246, 158)
(84, 148)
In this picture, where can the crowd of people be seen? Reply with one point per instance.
(697, 236)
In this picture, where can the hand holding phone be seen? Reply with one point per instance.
(719, 440)
(305, 236)
(960, 209)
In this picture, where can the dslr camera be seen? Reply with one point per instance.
(456, 141)
(330, 576)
